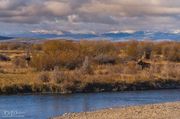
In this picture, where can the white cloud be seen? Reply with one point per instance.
(73, 18)
(57, 8)
(104, 15)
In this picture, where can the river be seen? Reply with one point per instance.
(45, 106)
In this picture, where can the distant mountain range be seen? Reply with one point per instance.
(5, 38)
(139, 35)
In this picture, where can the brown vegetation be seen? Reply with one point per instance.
(88, 66)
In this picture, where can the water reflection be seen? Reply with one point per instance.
(44, 106)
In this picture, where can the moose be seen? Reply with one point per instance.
(27, 58)
(143, 64)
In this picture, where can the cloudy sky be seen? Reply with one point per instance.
(89, 16)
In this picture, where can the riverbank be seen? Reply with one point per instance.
(78, 83)
(151, 111)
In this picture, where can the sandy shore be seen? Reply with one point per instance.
(152, 111)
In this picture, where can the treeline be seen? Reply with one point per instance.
(70, 54)
(64, 66)
(14, 45)
(168, 50)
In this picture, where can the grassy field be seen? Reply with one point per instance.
(88, 66)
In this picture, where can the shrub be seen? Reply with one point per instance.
(43, 62)
(70, 55)
(68, 81)
(1, 70)
(56, 46)
(4, 58)
(37, 47)
(58, 76)
(131, 68)
(105, 59)
(146, 48)
(19, 62)
(57, 53)
(133, 49)
(171, 52)
(114, 69)
(14, 45)
(95, 48)
(157, 49)
(44, 77)
(170, 71)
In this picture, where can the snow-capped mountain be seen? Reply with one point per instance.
(112, 35)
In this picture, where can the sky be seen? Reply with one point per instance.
(89, 16)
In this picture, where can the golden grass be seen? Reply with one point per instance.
(104, 77)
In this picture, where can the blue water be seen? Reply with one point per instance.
(45, 106)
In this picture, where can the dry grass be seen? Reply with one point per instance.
(87, 75)
(75, 81)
